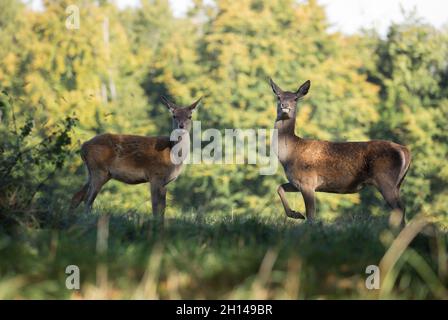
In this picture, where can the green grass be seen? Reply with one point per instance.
(213, 255)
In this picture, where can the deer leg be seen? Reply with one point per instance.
(79, 196)
(162, 201)
(97, 181)
(158, 200)
(288, 187)
(309, 199)
(392, 196)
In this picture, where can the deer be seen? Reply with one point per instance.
(314, 166)
(134, 159)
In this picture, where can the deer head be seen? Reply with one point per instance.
(287, 101)
(181, 115)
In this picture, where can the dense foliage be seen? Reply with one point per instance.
(111, 72)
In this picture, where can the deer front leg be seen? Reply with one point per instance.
(308, 198)
(158, 200)
(288, 187)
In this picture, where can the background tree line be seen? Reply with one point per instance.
(108, 75)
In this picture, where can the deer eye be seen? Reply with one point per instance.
(189, 117)
(174, 117)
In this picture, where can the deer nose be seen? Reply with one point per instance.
(181, 126)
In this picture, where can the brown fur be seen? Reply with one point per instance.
(335, 167)
(134, 159)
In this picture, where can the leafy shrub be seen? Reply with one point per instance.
(29, 158)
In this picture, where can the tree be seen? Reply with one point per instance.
(412, 72)
(239, 46)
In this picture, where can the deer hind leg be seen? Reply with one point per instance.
(97, 180)
(158, 199)
(288, 187)
(79, 196)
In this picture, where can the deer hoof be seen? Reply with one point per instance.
(295, 215)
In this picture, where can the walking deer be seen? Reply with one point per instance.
(334, 167)
(136, 159)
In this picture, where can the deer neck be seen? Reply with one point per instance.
(286, 138)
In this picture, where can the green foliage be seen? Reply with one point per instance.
(411, 70)
(229, 59)
(28, 159)
(112, 71)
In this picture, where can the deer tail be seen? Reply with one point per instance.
(406, 163)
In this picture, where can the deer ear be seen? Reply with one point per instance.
(275, 87)
(195, 104)
(303, 90)
(171, 106)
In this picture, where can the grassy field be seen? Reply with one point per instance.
(126, 255)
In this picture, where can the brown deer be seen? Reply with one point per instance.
(335, 167)
(136, 159)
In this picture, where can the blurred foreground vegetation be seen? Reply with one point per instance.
(227, 236)
(122, 255)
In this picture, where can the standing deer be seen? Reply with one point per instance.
(136, 159)
(335, 167)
